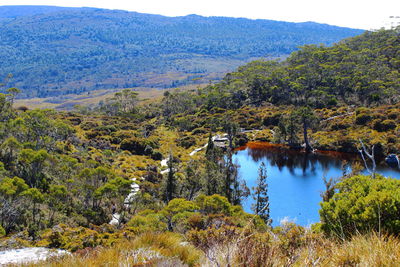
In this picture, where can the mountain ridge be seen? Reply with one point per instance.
(55, 50)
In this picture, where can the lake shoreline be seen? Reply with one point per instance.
(295, 178)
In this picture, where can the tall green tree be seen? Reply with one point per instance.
(12, 204)
(171, 185)
(260, 195)
(307, 118)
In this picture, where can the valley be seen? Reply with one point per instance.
(280, 161)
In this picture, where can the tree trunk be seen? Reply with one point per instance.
(306, 141)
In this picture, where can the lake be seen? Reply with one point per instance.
(295, 179)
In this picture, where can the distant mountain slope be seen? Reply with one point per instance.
(19, 11)
(52, 50)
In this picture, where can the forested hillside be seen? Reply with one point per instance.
(52, 51)
(363, 70)
(340, 91)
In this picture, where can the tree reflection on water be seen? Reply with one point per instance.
(281, 157)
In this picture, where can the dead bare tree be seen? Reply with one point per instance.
(370, 155)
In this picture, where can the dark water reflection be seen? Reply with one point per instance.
(294, 178)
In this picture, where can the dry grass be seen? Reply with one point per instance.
(370, 250)
(287, 247)
(313, 250)
(149, 249)
(67, 102)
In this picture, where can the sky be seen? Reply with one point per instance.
(362, 14)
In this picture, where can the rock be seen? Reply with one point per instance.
(392, 160)
(29, 255)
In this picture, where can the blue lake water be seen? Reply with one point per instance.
(295, 179)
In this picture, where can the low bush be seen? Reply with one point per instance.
(73, 239)
(363, 118)
(2, 231)
(186, 141)
(362, 205)
(384, 126)
(139, 146)
(147, 222)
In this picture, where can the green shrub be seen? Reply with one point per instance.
(214, 204)
(361, 110)
(73, 239)
(384, 126)
(147, 222)
(87, 125)
(332, 101)
(241, 139)
(362, 204)
(339, 125)
(139, 146)
(363, 118)
(198, 131)
(118, 136)
(273, 119)
(394, 114)
(186, 141)
(156, 155)
(106, 129)
(2, 231)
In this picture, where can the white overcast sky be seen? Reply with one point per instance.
(363, 14)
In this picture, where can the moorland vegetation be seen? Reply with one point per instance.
(64, 174)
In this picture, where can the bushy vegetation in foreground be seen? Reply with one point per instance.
(362, 205)
(288, 245)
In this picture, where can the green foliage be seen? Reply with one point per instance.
(34, 195)
(260, 195)
(179, 205)
(214, 204)
(384, 126)
(362, 204)
(2, 232)
(41, 131)
(113, 188)
(177, 213)
(73, 239)
(363, 118)
(139, 146)
(32, 165)
(147, 222)
(12, 186)
(123, 103)
(12, 202)
(362, 69)
(170, 191)
(186, 141)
